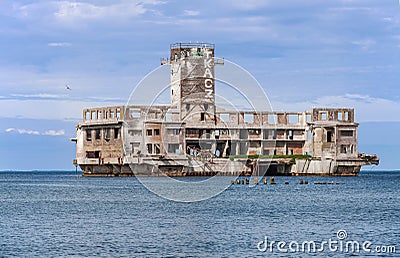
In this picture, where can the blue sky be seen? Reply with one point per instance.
(303, 53)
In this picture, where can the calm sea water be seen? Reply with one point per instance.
(60, 214)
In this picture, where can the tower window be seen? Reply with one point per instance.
(202, 117)
(98, 134)
(157, 148)
(346, 133)
(88, 135)
(107, 134)
(149, 148)
(329, 136)
(290, 134)
(116, 133)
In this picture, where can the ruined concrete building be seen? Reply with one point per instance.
(194, 137)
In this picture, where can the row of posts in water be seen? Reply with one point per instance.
(272, 182)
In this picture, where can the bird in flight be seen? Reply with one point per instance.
(67, 87)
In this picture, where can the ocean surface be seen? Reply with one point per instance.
(52, 214)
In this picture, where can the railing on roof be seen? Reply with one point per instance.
(192, 45)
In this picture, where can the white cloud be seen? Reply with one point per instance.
(24, 131)
(70, 11)
(365, 44)
(39, 96)
(73, 13)
(248, 4)
(191, 13)
(35, 132)
(54, 132)
(59, 44)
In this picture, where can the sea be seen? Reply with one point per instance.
(61, 214)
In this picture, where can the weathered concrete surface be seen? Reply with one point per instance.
(192, 136)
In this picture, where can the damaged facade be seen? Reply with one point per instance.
(194, 137)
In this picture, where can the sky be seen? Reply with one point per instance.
(304, 54)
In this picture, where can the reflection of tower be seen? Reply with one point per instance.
(192, 81)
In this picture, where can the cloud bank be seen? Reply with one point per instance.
(35, 132)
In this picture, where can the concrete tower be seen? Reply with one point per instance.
(192, 82)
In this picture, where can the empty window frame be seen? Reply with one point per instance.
(93, 154)
(149, 148)
(168, 117)
(173, 148)
(346, 133)
(156, 131)
(202, 117)
(290, 134)
(346, 149)
(254, 131)
(135, 132)
(224, 118)
(243, 134)
(255, 144)
(272, 118)
(329, 135)
(116, 133)
(270, 134)
(175, 131)
(118, 113)
(340, 116)
(135, 148)
(293, 118)
(324, 116)
(273, 134)
(88, 135)
(193, 133)
(149, 132)
(135, 114)
(107, 134)
(249, 118)
(157, 148)
(97, 134)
